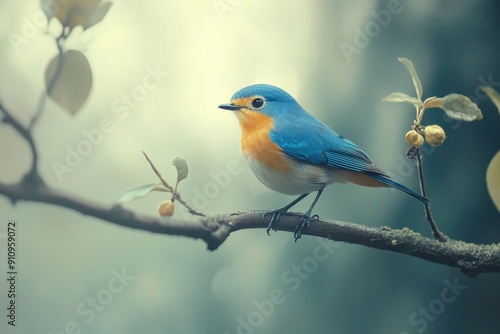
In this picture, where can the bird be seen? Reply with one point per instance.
(292, 152)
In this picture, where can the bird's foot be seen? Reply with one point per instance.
(276, 215)
(305, 222)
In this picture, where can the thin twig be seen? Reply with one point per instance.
(175, 195)
(51, 83)
(428, 215)
(162, 179)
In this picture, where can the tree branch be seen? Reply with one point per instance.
(25, 133)
(471, 259)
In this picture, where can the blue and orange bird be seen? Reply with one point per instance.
(293, 153)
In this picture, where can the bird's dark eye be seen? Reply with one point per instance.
(257, 103)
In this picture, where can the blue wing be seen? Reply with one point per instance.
(313, 142)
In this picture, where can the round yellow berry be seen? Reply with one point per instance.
(414, 138)
(166, 208)
(434, 135)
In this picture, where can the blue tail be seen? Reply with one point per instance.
(390, 182)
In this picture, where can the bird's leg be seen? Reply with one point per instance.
(278, 212)
(306, 220)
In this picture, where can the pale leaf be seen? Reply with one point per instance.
(140, 192)
(493, 180)
(401, 97)
(414, 76)
(73, 13)
(69, 82)
(98, 15)
(460, 107)
(493, 95)
(181, 165)
(433, 102)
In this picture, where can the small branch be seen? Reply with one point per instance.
(471, 259)
(32, 175)
(428, 215)
(175, 194)
(26, 132)
(110, 213)
(414, 152)
(50, 84)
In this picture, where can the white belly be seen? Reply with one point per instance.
(304, 178)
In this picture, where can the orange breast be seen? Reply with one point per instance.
(255, 141)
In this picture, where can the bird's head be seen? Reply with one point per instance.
(260, 104)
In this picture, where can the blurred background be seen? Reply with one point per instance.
(338, 59)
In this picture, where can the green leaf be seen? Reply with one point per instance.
(493, 180)
(401, 97)
(69, 82)
(140, 192)
(414, 76)
(493, 95)
(460, 107)
(182, 168)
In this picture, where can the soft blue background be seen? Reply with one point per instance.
(179, 287)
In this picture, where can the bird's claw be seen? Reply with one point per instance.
(305, 222)
(276, 215)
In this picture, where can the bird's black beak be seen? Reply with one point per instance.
(229, 106)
